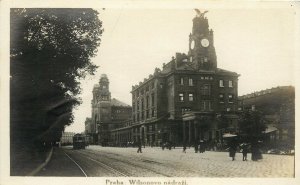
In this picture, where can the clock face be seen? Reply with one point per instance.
(205, 43)
(192, 44)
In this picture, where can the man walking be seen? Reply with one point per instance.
(139, 147)
(184, 147)
(244, 151)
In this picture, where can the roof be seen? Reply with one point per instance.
(115, 102)
(223, 71)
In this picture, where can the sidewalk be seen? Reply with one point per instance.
(60, 165)
(24, 161)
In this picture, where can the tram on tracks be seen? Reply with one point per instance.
(80, 141)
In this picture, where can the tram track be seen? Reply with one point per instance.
(103, 165)
(127, 163)
(77, 164)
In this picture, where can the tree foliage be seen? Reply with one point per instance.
(50, 50)
(252, 123)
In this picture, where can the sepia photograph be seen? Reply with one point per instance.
(151, 93)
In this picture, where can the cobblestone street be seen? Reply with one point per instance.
(213, 164)
(97, 161)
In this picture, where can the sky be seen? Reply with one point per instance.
(258, 44)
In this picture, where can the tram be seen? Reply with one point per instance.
(79, 141)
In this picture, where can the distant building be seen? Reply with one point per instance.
(88, 125)
(183, 101)
(278, 107)
(107, 113)
(67, 138)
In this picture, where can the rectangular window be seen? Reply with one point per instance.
(147, 102)
(205, 90)
(147, 114)
(205, 105)
(138, 105)
(181, 82)
(230, 98)
(142, 105)
(181, 98)
(221, 83)
(152, 113)
(191, 82)
(152, 99)
(191, 97)
(230, 84)
(221, 98)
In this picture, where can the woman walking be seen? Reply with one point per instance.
(232, 150)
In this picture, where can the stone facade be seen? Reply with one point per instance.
(107, 113)
(67, 138)
(88, 124)
(182, 102)
(278, 107)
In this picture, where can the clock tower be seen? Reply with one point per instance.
(104, 94)
(201, 44)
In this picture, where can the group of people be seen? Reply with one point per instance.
(245, 149)
(233, 146)
(200, 147)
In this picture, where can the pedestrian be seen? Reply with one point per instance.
(184, 147)
(163, 146)
(196, 147)
(202, 146)
(139, 147)
(170, 145)
(256, 153)
(245, 151)
(232, 150)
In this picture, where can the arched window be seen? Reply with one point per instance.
(205, 90)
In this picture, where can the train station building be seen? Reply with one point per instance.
(184, 101)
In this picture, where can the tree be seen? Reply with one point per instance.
(252, 123)
(50, 51)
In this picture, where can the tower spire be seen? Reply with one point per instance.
(201, 46)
